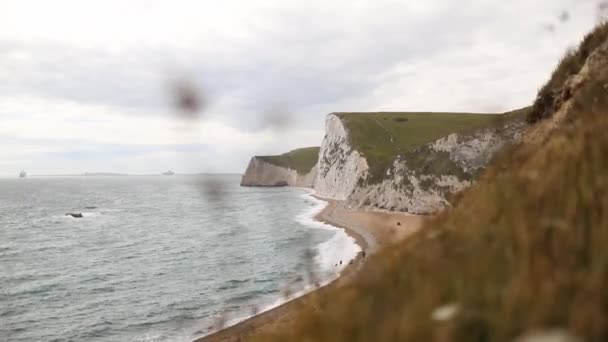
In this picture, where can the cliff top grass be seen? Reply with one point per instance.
(381, 136)
(552, 93)
(302, 159)
(521, 251)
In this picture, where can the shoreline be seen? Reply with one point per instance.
(371, 230)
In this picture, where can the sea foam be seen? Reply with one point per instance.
(333, 255)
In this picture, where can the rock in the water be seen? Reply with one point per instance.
(75, 215)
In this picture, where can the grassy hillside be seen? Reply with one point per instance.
(521, 251)
(553, 93)
(301, 160)
(384, 135)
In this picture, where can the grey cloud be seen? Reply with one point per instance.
(304, 59)
(300, 61)
(56, 70)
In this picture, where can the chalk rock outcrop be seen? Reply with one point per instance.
(262, 173)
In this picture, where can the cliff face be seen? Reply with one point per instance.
(263, 173)
(340, 166)
(418, 181)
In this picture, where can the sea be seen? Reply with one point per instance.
(154, 258)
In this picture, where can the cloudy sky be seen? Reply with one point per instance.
(87, 85)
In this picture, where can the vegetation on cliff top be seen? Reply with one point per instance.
(302, 160)
(521, 251)
(381, 136)
(552, 94)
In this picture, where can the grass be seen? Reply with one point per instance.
(380, 137)
(522, 250)
(302, 160)
(553, 93)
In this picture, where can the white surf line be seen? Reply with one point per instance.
(328, 257)
(370, 240)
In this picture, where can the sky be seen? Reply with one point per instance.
(88, 86)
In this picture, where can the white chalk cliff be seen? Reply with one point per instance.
(340, 167)
(263, 173)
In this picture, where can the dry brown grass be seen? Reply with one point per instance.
(552, 95)
(523, 249)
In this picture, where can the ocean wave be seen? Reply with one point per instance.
(32, 289)
(333, 255)
(98, 328)
(232, 284)
(247, 296)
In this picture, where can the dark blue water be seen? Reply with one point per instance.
(157, 259)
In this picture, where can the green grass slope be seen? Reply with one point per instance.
(381, 136)
(523, 250)
(302, 160)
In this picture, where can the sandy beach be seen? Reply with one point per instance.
(372, 230)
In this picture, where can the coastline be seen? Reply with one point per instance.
(370, 229)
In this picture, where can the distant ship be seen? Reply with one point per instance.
(169, 173)
(22, 174)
